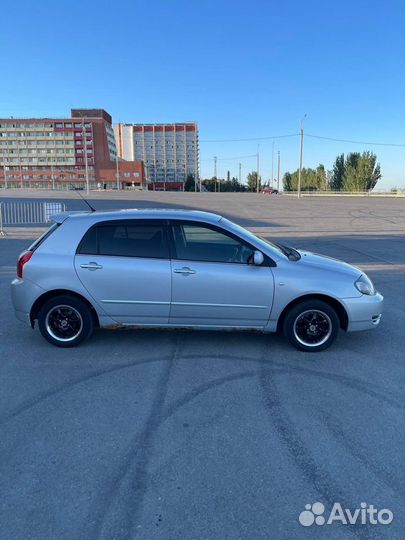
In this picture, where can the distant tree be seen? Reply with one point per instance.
(338, 172)
(362, 172)
(311, 179)
(252, 181)
(232, 185)
(190, 183)
(288, 182)
(358, 172)
(210, 184)
(322, 179)
(236, 186)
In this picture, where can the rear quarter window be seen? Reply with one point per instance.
(43, 237)
(88, 244)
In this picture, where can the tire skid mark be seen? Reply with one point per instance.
(317, 477)
(368, 214)
(356, 384)
(360, 453)
(201, 389)
(367, 254)
(382, 218)
(132, 473)
(67, 387)
(137, 465)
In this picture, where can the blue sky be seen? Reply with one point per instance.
(241, 69)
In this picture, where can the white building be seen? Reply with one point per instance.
(169, 151)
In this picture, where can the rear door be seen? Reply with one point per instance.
(214, 282)
(125, 266)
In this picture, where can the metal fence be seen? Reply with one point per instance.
(28, 213)
(329, 193)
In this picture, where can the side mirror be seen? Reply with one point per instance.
(258, 258)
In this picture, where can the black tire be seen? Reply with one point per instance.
(311, 326)
(65, 321)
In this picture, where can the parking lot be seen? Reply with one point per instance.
(174, 434)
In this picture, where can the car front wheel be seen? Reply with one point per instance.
(311, 326)
(65, 321)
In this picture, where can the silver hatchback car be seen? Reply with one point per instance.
(184, 269)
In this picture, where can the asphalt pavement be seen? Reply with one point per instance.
(172, 434)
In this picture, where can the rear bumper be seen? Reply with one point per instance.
(364, 312)
(23, 317)
(23, 295)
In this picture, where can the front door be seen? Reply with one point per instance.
(125, 267)
(214, 282)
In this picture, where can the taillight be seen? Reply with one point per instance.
(24, 258)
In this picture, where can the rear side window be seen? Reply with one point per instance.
(133, 238)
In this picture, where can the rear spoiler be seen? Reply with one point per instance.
(62, 216)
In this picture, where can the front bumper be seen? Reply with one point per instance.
(364, 312)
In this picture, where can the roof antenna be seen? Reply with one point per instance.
(83, 199)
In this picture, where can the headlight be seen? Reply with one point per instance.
(365, 285)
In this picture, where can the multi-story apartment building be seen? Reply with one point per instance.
(58, 152)
(169, 151)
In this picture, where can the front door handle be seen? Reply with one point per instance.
(91, 266)
(185, 271)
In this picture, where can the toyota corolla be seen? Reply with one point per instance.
(184, 269)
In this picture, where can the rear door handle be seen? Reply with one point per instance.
(91, 266)
(185, 271)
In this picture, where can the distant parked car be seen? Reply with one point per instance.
(168, 268)
(269, 191)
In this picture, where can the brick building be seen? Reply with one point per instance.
(61, 152)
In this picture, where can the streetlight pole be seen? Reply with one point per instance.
(278, 171)
(117, 173)
(258, 177)
(19, 165)
(272, 164)
(240, 173)
(301, 151)
(215, 173)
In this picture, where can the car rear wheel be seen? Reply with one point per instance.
(311, 326)
(65, 321)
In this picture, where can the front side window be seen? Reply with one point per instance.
(202, 243)
(132, 238)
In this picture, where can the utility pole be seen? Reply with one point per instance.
(117, 173)
(258, 177)
(272, 164)
(240, 173)
(215, 173)
(19, 165)
(278, 171)
(301, 151)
